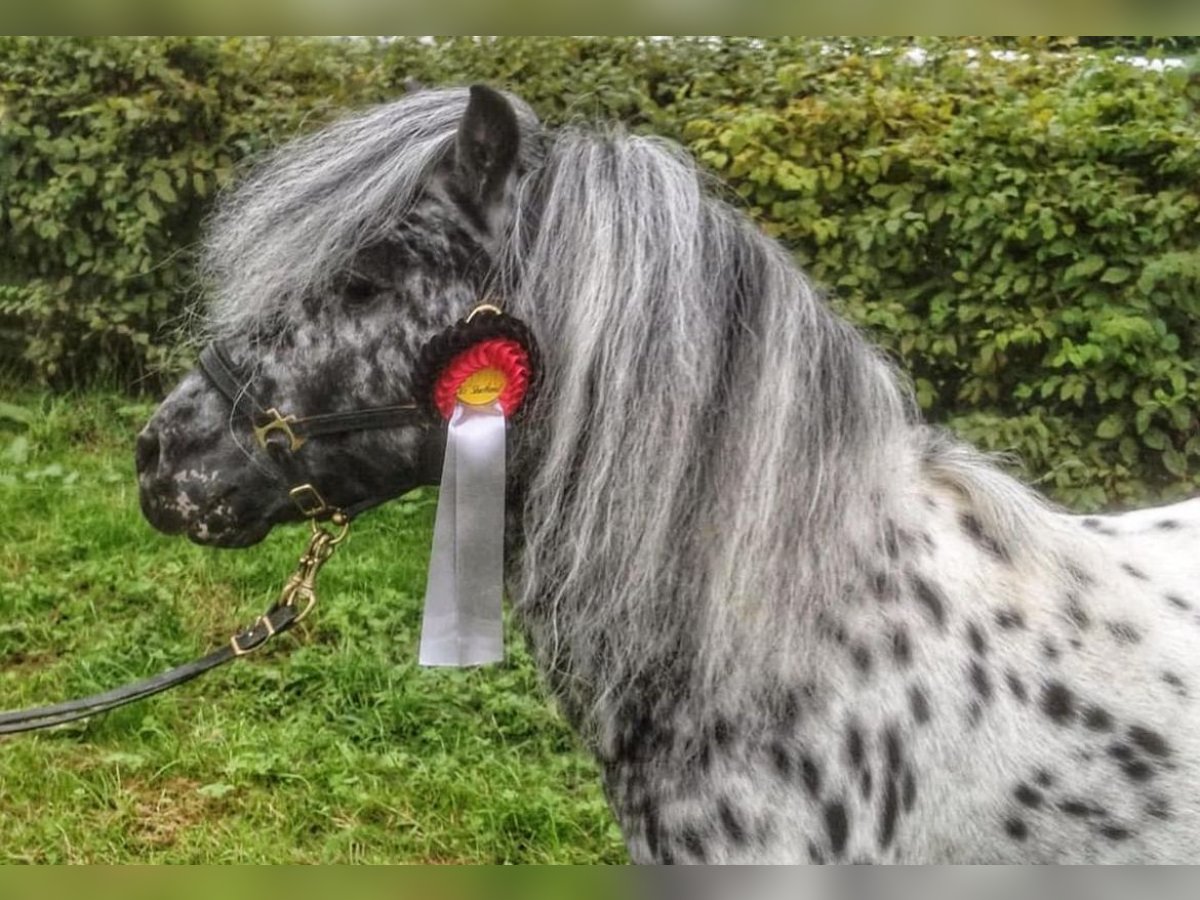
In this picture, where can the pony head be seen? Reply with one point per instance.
(329, 267)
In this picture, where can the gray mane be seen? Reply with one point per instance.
(707, 429)
(717, 453)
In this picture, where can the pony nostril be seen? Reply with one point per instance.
(146, 452)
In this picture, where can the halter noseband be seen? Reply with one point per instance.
(280, 435)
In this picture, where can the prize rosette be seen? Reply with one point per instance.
(477, 376)
(488, 357)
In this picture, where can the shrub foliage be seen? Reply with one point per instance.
(1016, 222)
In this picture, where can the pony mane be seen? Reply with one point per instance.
(303, 213)
(712, 445)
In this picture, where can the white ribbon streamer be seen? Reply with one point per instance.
(462, 624)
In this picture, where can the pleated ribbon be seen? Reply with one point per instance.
(462, 623)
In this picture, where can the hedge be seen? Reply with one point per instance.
(1017, 222)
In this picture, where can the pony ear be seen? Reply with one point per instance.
(485, 149)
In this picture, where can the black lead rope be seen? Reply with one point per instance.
(295, 601)
(277, 621)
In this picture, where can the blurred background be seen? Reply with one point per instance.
(1015, 220)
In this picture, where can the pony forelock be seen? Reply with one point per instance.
(297, 221)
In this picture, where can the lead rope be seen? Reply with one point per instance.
(295, 601)
(300, 591)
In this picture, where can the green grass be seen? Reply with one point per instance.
(331, 745)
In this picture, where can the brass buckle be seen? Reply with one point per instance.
(279, 422)
(239, 650)
(308, 500)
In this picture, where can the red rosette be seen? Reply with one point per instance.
(502, 355)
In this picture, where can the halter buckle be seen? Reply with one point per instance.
(235, 644)
(485, 307)
(308, 500)
(279, 422)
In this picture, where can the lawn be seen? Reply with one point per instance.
(331, 745)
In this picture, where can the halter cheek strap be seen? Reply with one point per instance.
(280, 435)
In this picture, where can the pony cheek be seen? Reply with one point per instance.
(370, 465)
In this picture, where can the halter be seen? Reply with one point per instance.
(281, 434)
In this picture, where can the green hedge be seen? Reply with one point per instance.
(109, 152)
(1017, 222)
(1023, 233)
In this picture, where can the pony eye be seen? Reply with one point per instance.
(359, 290)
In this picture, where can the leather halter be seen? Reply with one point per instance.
(280, 435)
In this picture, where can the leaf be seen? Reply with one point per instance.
(1174, 462)
(13, 413)
(161, 185)
(1155, 439)
(925, 393)
(1141, 419)
(1181, 417)
(145, 205)
(1110, 427)
(1115, 275)
(1085, 268)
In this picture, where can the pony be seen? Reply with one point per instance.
(791, 621)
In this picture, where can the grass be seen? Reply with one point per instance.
(329, 746)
